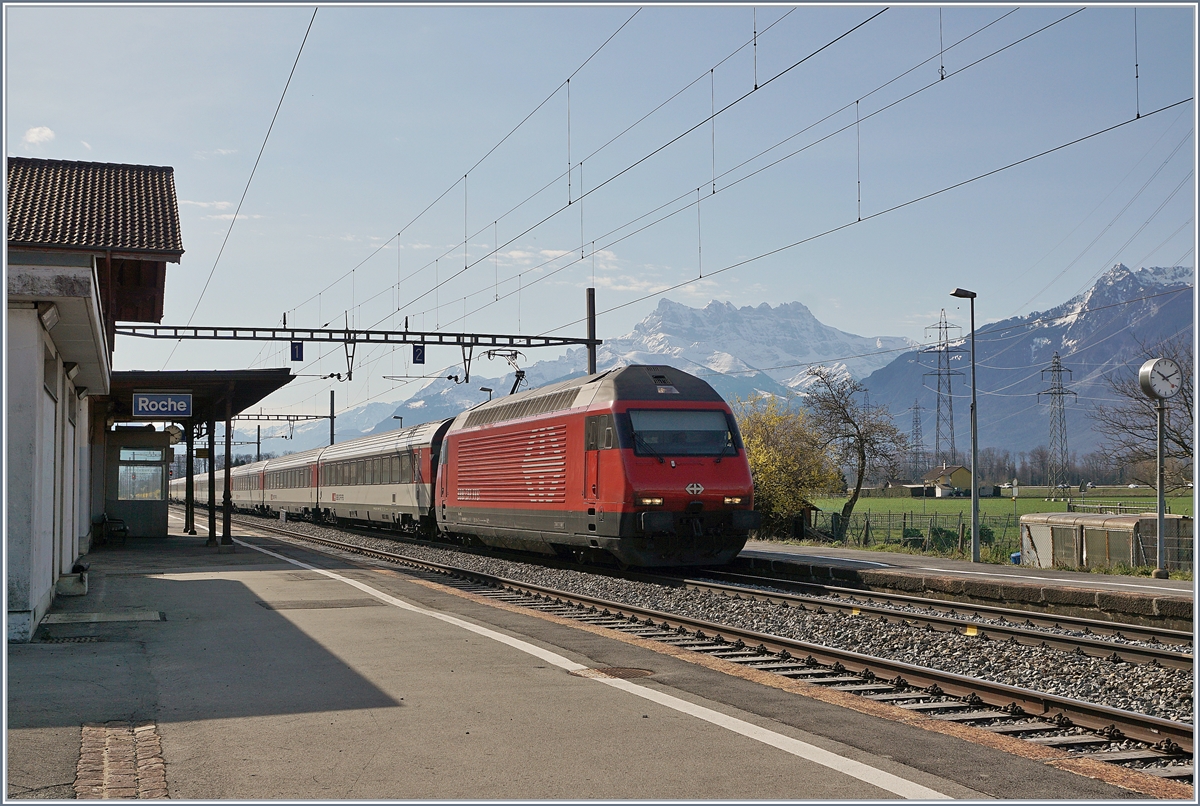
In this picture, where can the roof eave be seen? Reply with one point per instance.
(168, 255)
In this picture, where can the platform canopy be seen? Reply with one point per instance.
(209, 390)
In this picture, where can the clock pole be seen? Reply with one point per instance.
(1161, 571)
(1155, 378)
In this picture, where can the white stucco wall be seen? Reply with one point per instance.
(29, 545)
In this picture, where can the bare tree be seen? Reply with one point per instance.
(1130, 425)
(860, 436)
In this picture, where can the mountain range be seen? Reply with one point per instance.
(769, 349)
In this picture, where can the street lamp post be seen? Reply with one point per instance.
(962, 293)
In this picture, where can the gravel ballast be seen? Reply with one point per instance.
(1142, 688)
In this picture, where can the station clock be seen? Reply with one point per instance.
(1160, 378)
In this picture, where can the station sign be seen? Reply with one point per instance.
(297, 351)
(418, 354)
(162, 405)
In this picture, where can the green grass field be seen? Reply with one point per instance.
(1177, 505)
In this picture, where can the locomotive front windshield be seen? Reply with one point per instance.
(672, 432)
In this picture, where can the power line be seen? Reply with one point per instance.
(480, 160)
(246, 190)
(884, 212)
(495, 250)
(735, 182)
(666, 145)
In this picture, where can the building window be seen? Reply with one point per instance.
(137, 482)
(141, 455)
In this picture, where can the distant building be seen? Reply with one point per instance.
(88, 244)
(947, 478)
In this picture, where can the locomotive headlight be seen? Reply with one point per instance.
(733, 499)
(649, 502)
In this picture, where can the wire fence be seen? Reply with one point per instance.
(950, 535)
(999, 535)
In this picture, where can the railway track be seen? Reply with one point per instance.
(1169, 648)
(1086, 729)
(1091, 637)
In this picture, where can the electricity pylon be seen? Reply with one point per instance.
(944, 451)
(1056, 462)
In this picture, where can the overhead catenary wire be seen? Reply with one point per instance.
(250, 179)
(794, 153)
(496, 248)
(683, 134)
(886, 211)
(601, 148)
(1113, 220)
(519, 280)
(496, 284)
(489, 152)
(1101, 203)
(985, 336)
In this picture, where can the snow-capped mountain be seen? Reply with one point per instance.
(781, 341)
(739, 351)
(1095, 334)
(767, 348)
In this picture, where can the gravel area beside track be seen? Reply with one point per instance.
(974, 618)
(1143, 688)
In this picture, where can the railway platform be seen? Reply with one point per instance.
(280, 672)
(1159, 602)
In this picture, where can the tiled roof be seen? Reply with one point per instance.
(92, 205)
(938, 472)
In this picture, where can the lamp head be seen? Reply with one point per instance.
(963, 293)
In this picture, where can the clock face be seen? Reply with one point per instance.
(1160, 378)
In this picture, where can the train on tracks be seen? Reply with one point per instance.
(641, 465)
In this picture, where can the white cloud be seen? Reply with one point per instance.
(626, 283)
(219, 152)
(229, 217)
(420, 246)
(37, 135)
(86, 144)
(216, 205)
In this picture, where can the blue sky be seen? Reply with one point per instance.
(389, 107)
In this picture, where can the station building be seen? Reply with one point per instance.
(88, 245)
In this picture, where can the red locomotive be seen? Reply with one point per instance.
(642, 463)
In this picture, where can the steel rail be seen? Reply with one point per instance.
(1135, 632)
(1094, 647)
(1140, 727)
